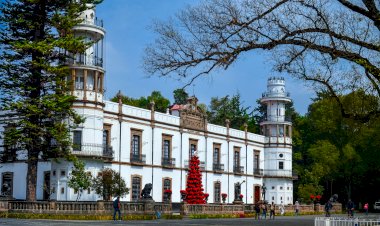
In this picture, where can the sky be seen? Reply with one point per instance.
(127, 24)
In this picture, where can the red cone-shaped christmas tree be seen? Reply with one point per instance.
(194, 187)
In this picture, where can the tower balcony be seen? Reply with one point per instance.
(275, 96)
(81, 59)
(91, 26)
(93, 150)
(278, 173)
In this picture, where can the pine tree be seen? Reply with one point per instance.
(35, 38)
(194, 187)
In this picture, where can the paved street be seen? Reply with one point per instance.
(281, 221)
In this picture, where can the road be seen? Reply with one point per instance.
(280, 221)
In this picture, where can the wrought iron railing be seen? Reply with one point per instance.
(238, 169)
(168, 162)
(258, 172)
(218, 167)
(140, 159)
(89, 149)
(276, 94)
(279, 173)
(96, 22)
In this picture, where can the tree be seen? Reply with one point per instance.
(333, 44)
(194, 187)
(161, 103)
(109, 183)
(79, 179)
(231, 108)
(180, 96)
(35, 39)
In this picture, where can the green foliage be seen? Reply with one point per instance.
(109, 184)
(79, 179)
(338, 153)
(35, 38)
(180, 96)
(172, 217)
(161, 103)
(213, 216)
(231, 108)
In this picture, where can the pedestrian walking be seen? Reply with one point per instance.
(297, 208)
(116, 208)
(282, 209)
(264, 210)
(350, 208)
(328, 207)
(366, 208)
(257, 210)
(272, 209)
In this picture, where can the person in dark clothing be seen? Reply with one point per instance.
(328, 207)
(257, 210)
(272, 209)
(350, 208)
(116, 208)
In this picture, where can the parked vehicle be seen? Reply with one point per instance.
(376, 206)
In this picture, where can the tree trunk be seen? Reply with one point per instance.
(32, 178)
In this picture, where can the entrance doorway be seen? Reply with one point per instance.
(257, 194)
(46, 195)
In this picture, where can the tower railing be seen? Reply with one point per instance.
(275, 118)
(276, 94)
(96, 22)
(280, 173)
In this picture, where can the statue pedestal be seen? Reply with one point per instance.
(148, 206)
(237, 202)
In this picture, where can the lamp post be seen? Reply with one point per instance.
(264, 190)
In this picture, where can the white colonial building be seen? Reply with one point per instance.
(152, 147)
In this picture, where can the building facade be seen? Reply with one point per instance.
(152, 147)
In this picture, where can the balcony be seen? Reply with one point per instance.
(138, 159)
(93, 150)
(168, 162)
(279, 173)
(217, 167)
(202, 165)
(95, 22)
(239, 169)
(258, 172)
(85, 59)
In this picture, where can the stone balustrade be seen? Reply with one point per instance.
(139, 208)
(91, 208)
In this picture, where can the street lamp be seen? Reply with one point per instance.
(264, 190)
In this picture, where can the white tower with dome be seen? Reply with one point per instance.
(277, 129)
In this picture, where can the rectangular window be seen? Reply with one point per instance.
(280, 165)
(217, 193)
(136, 188)
(216, 154)
(193, 148)
(106, 135)
(166, 147)
(167, 185)
(236, 157)
(7, 184)
(136, 136)
(257, 161)
(79, 82)
(77, 140)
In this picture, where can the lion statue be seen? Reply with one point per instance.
(145, 193)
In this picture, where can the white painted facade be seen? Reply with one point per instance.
(106, 140)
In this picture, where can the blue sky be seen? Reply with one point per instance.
(127, 24)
